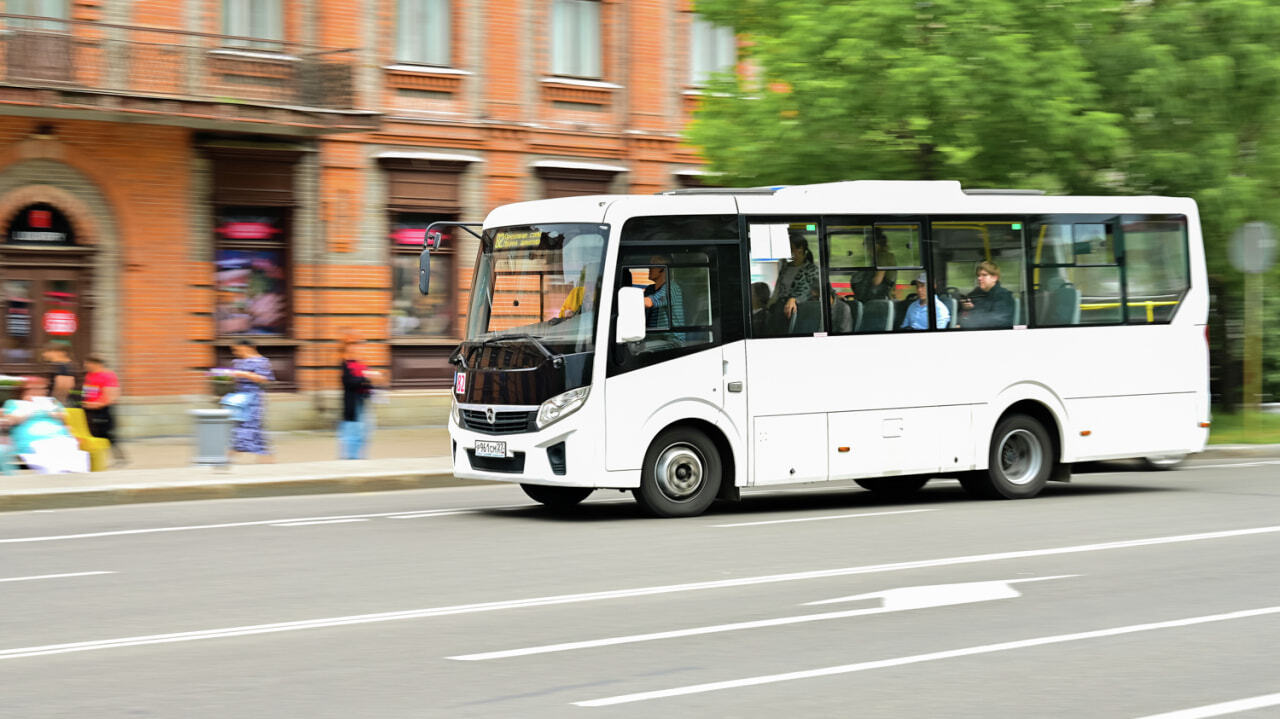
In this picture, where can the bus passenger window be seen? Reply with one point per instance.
(794, 283)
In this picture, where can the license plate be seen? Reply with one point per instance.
(491, 449)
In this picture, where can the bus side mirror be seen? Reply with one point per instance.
(424, 270)
(630, 315)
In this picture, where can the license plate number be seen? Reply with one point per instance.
(491, 449)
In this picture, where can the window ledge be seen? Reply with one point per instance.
(425, 79)
(425, 69)
(582, 92)
(254, 55)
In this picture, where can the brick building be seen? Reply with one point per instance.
(177, 173)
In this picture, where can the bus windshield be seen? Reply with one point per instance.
(539, 280)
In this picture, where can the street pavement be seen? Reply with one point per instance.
(161, 470)
(1124, 594)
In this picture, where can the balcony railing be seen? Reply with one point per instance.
(72, 55)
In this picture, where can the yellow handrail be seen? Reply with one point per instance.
(1149, 304)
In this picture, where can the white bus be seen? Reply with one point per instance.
(688, 344)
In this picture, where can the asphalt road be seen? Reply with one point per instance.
(1123, 594)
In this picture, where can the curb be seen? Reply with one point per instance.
(229, 488)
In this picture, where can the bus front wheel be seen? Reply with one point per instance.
(1019, 464)
(556, 497)
(681, 474)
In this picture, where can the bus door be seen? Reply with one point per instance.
(677, 372)
(785, 358)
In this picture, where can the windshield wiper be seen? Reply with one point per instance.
(556, 359)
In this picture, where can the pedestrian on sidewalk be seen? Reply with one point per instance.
(252, 372)
(39, 431)
(358, 380)
(98, 398)
(62, 379)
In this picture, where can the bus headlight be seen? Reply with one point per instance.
(561, 406)
(454, 411)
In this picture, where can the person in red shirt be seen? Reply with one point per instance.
(98, 398)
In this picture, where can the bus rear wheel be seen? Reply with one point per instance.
(556, 497)
(681, 474)
(893, 487)
(1019, 463)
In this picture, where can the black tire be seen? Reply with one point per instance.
(1019, 462)
(557, 497)
(681, 474)
(893, 487)
(1164, 462)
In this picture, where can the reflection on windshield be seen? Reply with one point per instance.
(540, 280)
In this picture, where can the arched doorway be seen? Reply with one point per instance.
(46, 271)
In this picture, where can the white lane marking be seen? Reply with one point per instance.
(1214, 710)
(894, 600)
(621, 593)
(1233, 465)
(919, 658)
(51, 576)
(421, 515)
(820, 519)
(318, 521)
(225, 525)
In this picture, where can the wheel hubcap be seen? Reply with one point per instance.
(679, 471)
(1021, 456)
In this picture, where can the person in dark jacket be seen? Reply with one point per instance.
(357, 385)
(989, 304)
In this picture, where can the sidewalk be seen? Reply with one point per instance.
(160, 470)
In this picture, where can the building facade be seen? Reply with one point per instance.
(175, 174)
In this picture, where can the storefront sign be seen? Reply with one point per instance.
(40, 224)
(247, 230)
(60, 322)
(18, 320)
(409, 235)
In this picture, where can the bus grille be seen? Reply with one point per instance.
(503, 422)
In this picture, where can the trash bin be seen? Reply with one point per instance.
(213, 436)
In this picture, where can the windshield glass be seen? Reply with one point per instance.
(540, 280)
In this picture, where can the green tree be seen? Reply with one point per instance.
(990, 92)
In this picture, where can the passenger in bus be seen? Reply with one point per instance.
(797, 282)
(663, 301)
(874, 283)
(841, 315)
(759, 305)
(918, 312)
(989, 304)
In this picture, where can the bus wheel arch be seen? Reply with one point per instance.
(1024, 450)
(686, 467)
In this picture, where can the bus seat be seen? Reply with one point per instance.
(952, 309)
(855, 308)
(877, 316)
(1017, 309)
(807, 319)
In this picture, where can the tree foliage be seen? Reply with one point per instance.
(1177, 97)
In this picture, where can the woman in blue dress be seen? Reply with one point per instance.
(252, 371)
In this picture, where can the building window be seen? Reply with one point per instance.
(414, 314)
(251, 280)
(575, 38)
(422, 33)
(253, 18)
(714, 49)
(42, 8)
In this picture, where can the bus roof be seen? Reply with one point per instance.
(851, 197)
